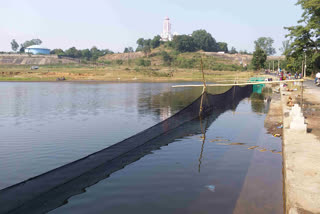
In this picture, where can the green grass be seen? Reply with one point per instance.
(22, 79)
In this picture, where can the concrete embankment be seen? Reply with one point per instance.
(25, 59)
(301, 153)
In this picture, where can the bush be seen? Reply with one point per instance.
(119, 61)
(225, 67)
(142, 62)
(167, 59)
(186, 63)
(147, 62)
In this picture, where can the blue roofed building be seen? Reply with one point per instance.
(37, 49)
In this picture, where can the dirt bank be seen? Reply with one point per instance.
(273, 121)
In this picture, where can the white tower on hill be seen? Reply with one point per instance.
(166, 31)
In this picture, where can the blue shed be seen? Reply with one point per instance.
(37, 49)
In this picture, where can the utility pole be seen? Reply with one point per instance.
(269, 66)
(302, 73)
(278, 65)
(305, 64)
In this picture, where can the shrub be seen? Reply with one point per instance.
(167, 59)
(142, 62)
(119, 61)
(185, 63)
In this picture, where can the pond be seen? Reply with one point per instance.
(235, 168)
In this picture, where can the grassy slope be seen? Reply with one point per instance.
(129, 71)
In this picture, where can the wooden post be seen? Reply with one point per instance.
(203, 90)
(203, 79)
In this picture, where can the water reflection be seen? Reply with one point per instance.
(203, 137)
(46, 125)
(163, 105)
(260, 102)
(48, 200)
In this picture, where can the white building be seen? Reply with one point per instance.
(166, 34)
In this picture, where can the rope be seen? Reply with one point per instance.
(239, 84)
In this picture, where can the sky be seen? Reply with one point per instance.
(116, 24)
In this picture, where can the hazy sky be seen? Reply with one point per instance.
(115, 24)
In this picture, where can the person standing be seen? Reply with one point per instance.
(317, 77)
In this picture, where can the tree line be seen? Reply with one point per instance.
(302, 47)
(304, 39)
(85, 54)
(198, 40)
(16, 47)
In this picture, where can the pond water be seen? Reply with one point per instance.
(46, 125)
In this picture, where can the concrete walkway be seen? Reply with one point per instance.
(301, 158)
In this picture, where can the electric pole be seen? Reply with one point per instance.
(305, 64)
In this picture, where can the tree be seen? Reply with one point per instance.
(32, 42)
(223, 47)
(146, 50)
(306, 37)
(233, 50)
(167, 59)
(29, 43)
(243, 52)
(57, 52)
(259, 58)
(21, 48)
(204, 41)
(36, 41)
(73, 52)
(155, 42)
(184, 43)
(128, 50)
(14, 45)
(86, 54)
(93, 54)
(140, 43)
(265, 43)
(107, 51)
(285, 47)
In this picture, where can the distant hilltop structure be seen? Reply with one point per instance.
(166, 34)
(37, 49)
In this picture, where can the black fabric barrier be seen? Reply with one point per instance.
(49, 190)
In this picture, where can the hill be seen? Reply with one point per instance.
(156, 58)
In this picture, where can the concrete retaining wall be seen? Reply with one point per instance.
(25, 59)
(301, 158)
